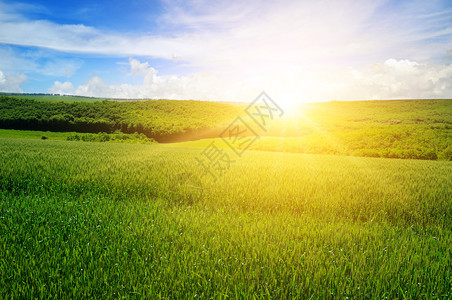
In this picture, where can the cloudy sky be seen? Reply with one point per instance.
(228, 50)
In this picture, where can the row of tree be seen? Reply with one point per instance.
(162, 120)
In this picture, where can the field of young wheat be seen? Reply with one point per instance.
(146, 221)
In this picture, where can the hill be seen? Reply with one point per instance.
(163, 120)
(412, 129)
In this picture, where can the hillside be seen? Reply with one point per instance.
(411, 129)
(163, 120)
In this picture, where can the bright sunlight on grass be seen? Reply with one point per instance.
(92, 220)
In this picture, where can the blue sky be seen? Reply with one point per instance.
(134, 15)
(228, 50)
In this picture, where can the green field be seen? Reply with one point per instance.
(410, 129)
(98, 220)
(117, 137)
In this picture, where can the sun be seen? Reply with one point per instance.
(290, 105)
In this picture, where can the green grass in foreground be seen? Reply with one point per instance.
(109, 220)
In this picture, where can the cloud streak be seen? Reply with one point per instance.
(204, 32)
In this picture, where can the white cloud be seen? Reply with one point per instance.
(400, 79)
(11, 82)
(196, 86)
(138, 68)
(63, 88)
(391, 79)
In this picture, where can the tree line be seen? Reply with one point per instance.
(162, 120)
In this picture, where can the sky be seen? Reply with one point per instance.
(228, 50)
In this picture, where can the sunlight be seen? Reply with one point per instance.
(290, 105)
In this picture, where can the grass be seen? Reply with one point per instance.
(411, 129)
(116, 137)
(101, 221)
(34, 134)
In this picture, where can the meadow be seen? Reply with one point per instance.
(410, 129)
(100, 220)
(115, 137)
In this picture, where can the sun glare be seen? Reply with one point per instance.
(290, 106)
